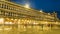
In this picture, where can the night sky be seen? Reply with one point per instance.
(45, 5)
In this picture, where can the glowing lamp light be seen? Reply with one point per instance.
(41, 11)
(7, 28)
(11, 23)
(1, 20)
(48, 13)
(35, 23)
(27, 6)
(1, 29)
(8, 23)
(56, 23)
(11, 19)
(46, 22)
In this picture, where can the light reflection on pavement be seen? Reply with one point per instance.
(21, 29)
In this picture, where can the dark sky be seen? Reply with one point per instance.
(46, 5)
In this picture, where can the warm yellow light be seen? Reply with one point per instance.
(41, 11)
(1, 20)
(56, 23)
(27, 6)
(1, 29)
(35, 23)
(11, 19)
(46, 22)
(7, 28)
(48, 13)
(8, 23)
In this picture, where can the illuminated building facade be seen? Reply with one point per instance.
(11, 13)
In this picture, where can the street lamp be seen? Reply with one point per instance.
(27, 5)
(1, 20)
(41, 11)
